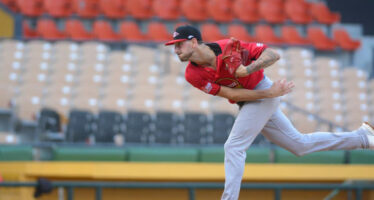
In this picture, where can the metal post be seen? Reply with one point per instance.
(278, 194)
(70, 192)
(358, 193)
(99, 193)
(191, 193)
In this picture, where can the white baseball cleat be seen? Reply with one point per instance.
(369, 133)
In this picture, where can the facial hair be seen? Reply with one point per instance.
(185, 57)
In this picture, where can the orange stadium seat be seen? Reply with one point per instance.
(239, 32)
(211, 32)
(322, 14)
(246, 10)
(343, 39)
(28, 32)
(114, 9)
(58, 8)
(140, 9)
(158, 32)
(194, 10)
(129, 30)
(265, 34)
(47, 29)
(103, 31)
(220, 10)
(319, 40)
(168, 10)
(298, 11)
(11, 4)
(291, 36)
(76, 31)
(272, 11)
(32, 8)
(86, 8)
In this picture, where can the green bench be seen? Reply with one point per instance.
(15, 153)
(163, 154)
(323, 157)
(89, 154)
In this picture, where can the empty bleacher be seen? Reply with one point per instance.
(139, 88)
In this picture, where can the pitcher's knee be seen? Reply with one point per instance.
(232, 148)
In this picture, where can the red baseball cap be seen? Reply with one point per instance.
(183, 33)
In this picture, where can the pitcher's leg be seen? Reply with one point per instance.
(250, 121)
(280, 131)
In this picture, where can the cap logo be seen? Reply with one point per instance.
(190, 37)
(175, 34)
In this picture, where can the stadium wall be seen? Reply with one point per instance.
(178, 172)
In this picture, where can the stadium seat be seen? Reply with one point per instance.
(129, 30)
(31, 8)
(76, 31)
(211, 32)
(220, 10)
(222, 124)
(166, 128)
(298, 11)
(80, 126)
(7, 93)
(304, 123)
(322, 14)
(246, 10)
(319, 40)
(194, 10)
(114, 9)
(239, 32)
(110, 123)
(140, 9)
(58, 8)
(170, 98)
(291, 36)
(272, 11)
(138, 126)
(104, 32)
(48, 30)
(114, 100)
(325, 157)
(86, 8)
(49, 121)
(11, 4)
(342, 38)
(28, 32)
(194, 128)
(265, 34)
(163, 154)
(29, 104)
(89, 154)
(167, 10)
(158, 32)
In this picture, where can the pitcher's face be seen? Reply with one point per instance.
(184, 50)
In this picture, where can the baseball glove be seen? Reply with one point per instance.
(232, 55)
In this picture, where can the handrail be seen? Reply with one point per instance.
(191, 186)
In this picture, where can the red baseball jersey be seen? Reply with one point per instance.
(210, 80)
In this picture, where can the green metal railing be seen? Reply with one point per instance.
(192, 186)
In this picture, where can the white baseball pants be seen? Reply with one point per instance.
(265, 116)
